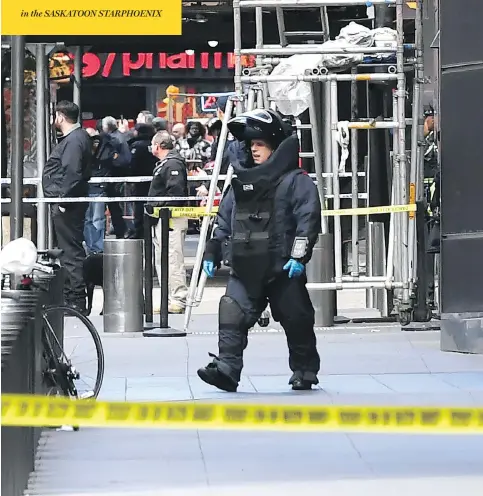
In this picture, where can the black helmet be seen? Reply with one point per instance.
(260, 124)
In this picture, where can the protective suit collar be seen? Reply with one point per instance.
(284, 159)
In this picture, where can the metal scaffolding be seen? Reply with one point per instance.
(393, 265)
(399, 274)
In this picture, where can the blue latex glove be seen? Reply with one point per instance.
(209, 268)
(295, 269)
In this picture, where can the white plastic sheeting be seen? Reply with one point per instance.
(292, 98)
(18, 257)
(343, 138)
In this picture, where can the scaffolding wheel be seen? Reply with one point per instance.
(406, 316)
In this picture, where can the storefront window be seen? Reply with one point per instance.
(181, 107)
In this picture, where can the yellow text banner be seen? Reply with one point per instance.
(91, 17)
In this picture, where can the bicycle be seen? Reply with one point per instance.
(61, 376)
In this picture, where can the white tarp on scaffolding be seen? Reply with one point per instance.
(292, 97)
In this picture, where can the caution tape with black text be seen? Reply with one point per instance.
(196, 212)
(43, 411)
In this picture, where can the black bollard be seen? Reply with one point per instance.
(163, 283)
(164, 330)
(148, 272)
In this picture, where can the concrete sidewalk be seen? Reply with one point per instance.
(360, 365)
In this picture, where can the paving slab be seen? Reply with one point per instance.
(371, 365)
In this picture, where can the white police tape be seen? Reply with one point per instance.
(124, 199)
(104, 199)
(32, 181)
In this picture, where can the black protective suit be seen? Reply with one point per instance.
(266, 207)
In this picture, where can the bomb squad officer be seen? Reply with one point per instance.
(267, 225)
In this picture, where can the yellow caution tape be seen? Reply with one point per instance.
(186, 212)
(191, 212)
(196, 212)
(370, 210)
(43, 411)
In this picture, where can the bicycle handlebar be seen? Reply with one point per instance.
(54, 253)
(43, 268)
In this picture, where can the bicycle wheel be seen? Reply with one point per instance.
(72, 376)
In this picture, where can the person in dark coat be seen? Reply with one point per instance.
(104, 152)
(120, 168)
(267, 225)
(66, 175)
(170, 179)
(142, 164)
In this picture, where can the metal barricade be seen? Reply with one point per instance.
(22, 367)
(123, 285)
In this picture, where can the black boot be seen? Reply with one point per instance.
(303, 381)
(212, 375)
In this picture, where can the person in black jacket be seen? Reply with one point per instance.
(104, 150)
(66, 175)
(170, 178)
(120, 168)
(267, 225)
(142, 164)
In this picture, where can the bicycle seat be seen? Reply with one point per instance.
(54, 253)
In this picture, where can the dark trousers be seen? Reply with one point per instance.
(140, 189)
(290, 305)
(69, 235)
(118, 224)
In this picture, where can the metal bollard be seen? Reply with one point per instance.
(376, 266)
(321, 269)
(164, 329)
(123, 285)
(148, 270)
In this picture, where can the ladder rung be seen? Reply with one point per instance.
(341, 174)
(373, 125)
(309, 3)
(304, 126)
(306, 154)
(305, 34)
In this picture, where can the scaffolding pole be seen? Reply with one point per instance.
(416, 178)
(17, 117)
(42, 208)
(401, 117)
(78, 78)
(191, 299)
(313, 78)
(237, 53)
(354, 179)
(318, 49)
